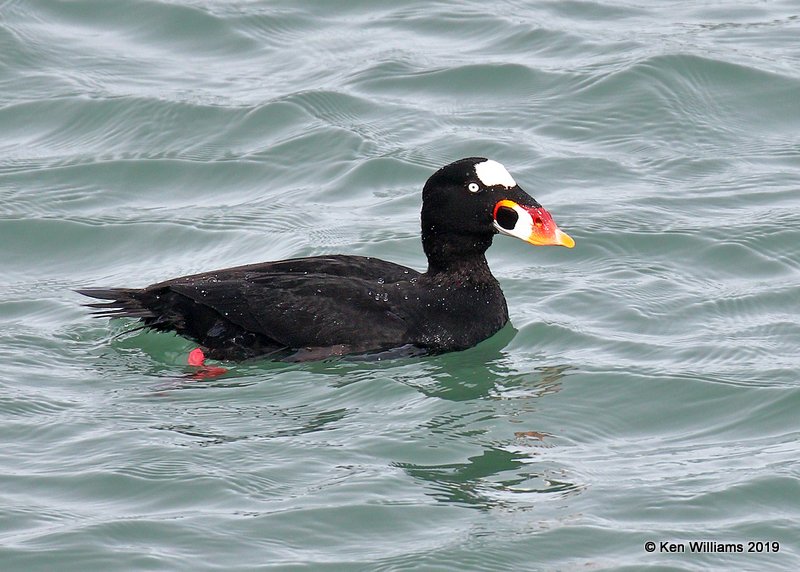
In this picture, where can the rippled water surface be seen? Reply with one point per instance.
(649, 389)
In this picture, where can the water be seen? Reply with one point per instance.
(648, 390)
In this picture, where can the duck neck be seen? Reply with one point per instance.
(457, 254)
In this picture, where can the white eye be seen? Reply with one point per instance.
(473, 187)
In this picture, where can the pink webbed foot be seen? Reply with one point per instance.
(198, 359)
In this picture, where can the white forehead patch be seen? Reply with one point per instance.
(492, 173)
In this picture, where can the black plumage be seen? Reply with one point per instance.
(309, 308)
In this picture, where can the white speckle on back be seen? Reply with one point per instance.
(492, 173)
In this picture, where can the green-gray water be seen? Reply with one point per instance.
(648, 391)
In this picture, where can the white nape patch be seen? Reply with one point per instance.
(492, 173)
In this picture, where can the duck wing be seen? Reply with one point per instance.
(346, 301)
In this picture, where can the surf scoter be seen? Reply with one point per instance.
(312, 308)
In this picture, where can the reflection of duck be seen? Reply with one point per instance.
(496, 477)
(311, 308)
(507, 470)
(488, 373)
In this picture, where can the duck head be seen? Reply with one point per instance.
(465, 203)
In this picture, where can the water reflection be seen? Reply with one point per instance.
(495, 478)
(480, 406)
(511, 471)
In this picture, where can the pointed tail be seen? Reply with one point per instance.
(121, 303)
